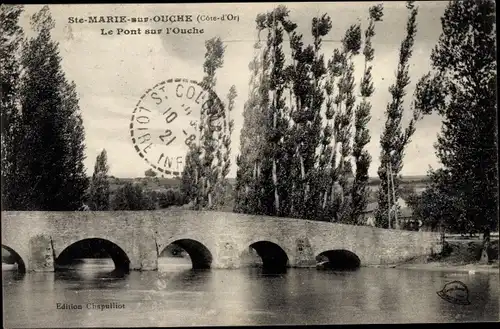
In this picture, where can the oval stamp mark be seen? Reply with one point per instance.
(166, 121)
(455, 292)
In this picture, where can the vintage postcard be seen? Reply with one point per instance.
(247, 164)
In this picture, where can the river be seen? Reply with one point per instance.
(178, 296)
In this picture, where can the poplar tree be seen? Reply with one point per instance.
(11, 36)
(209, 171)
(262, 179)
(328, 154)
(345, 101)
(273, 107)
(335, 200)
(394, 140)
(51, 172)
(305, 74)
(204, 173)
(99, 184)
(224, 155)
(299, 86)
(248, 161)
(321, 26)
(190, 180)
(359, 192)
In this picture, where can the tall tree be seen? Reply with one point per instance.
(299, 85)
(224, 151)
(359, 192)
(190, 181)
(273, 107)
(10, 42)
(213, 61)
(99, 185)
(267, 171)
(313, 166)
(205, 170)
(334, 198)
(462, 89)
(328, 154)
(394, 140)
(248, 161)
(51, 173)
(345, 101)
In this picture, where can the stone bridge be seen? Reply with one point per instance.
(135, 239)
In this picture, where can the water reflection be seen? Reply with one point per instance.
(10, 275)
(89, 270)
(177, 295)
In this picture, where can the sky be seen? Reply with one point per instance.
(112, 72)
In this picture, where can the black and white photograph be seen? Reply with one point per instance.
(249, 164)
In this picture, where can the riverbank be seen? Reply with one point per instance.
(457, 256)
(439, 266)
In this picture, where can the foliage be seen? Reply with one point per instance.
(171, 197)
(99, 184)
(394, 140)
(296, 140)
(246, 189)
(10, 41)
(308, 107)
(49, 134)
(462, 89)
(224, 151)
(360, 192)
(427, 208)
(132, 197)
(190, 185)
(207, 163)
(150, 173)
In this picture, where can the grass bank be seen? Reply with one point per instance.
(457, 255)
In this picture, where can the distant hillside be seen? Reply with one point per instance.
(160, 182)
(409, 185)
(148, 183)
(411, 180)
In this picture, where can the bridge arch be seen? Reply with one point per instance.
(94, 246)
(273, 256)
(338, 259)
(200, 254)
(16, 258)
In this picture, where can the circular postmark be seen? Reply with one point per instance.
(167, 119)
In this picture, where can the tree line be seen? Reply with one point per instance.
(303, 142)
(42, 132)
(302, 129)
(299, 121)
(130, 195)
(42, 140)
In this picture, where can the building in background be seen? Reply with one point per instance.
(405, 216)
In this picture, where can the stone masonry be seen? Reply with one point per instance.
(222, 239)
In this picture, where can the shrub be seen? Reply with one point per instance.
(132, 197)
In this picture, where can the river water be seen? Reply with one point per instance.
(178, 296)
